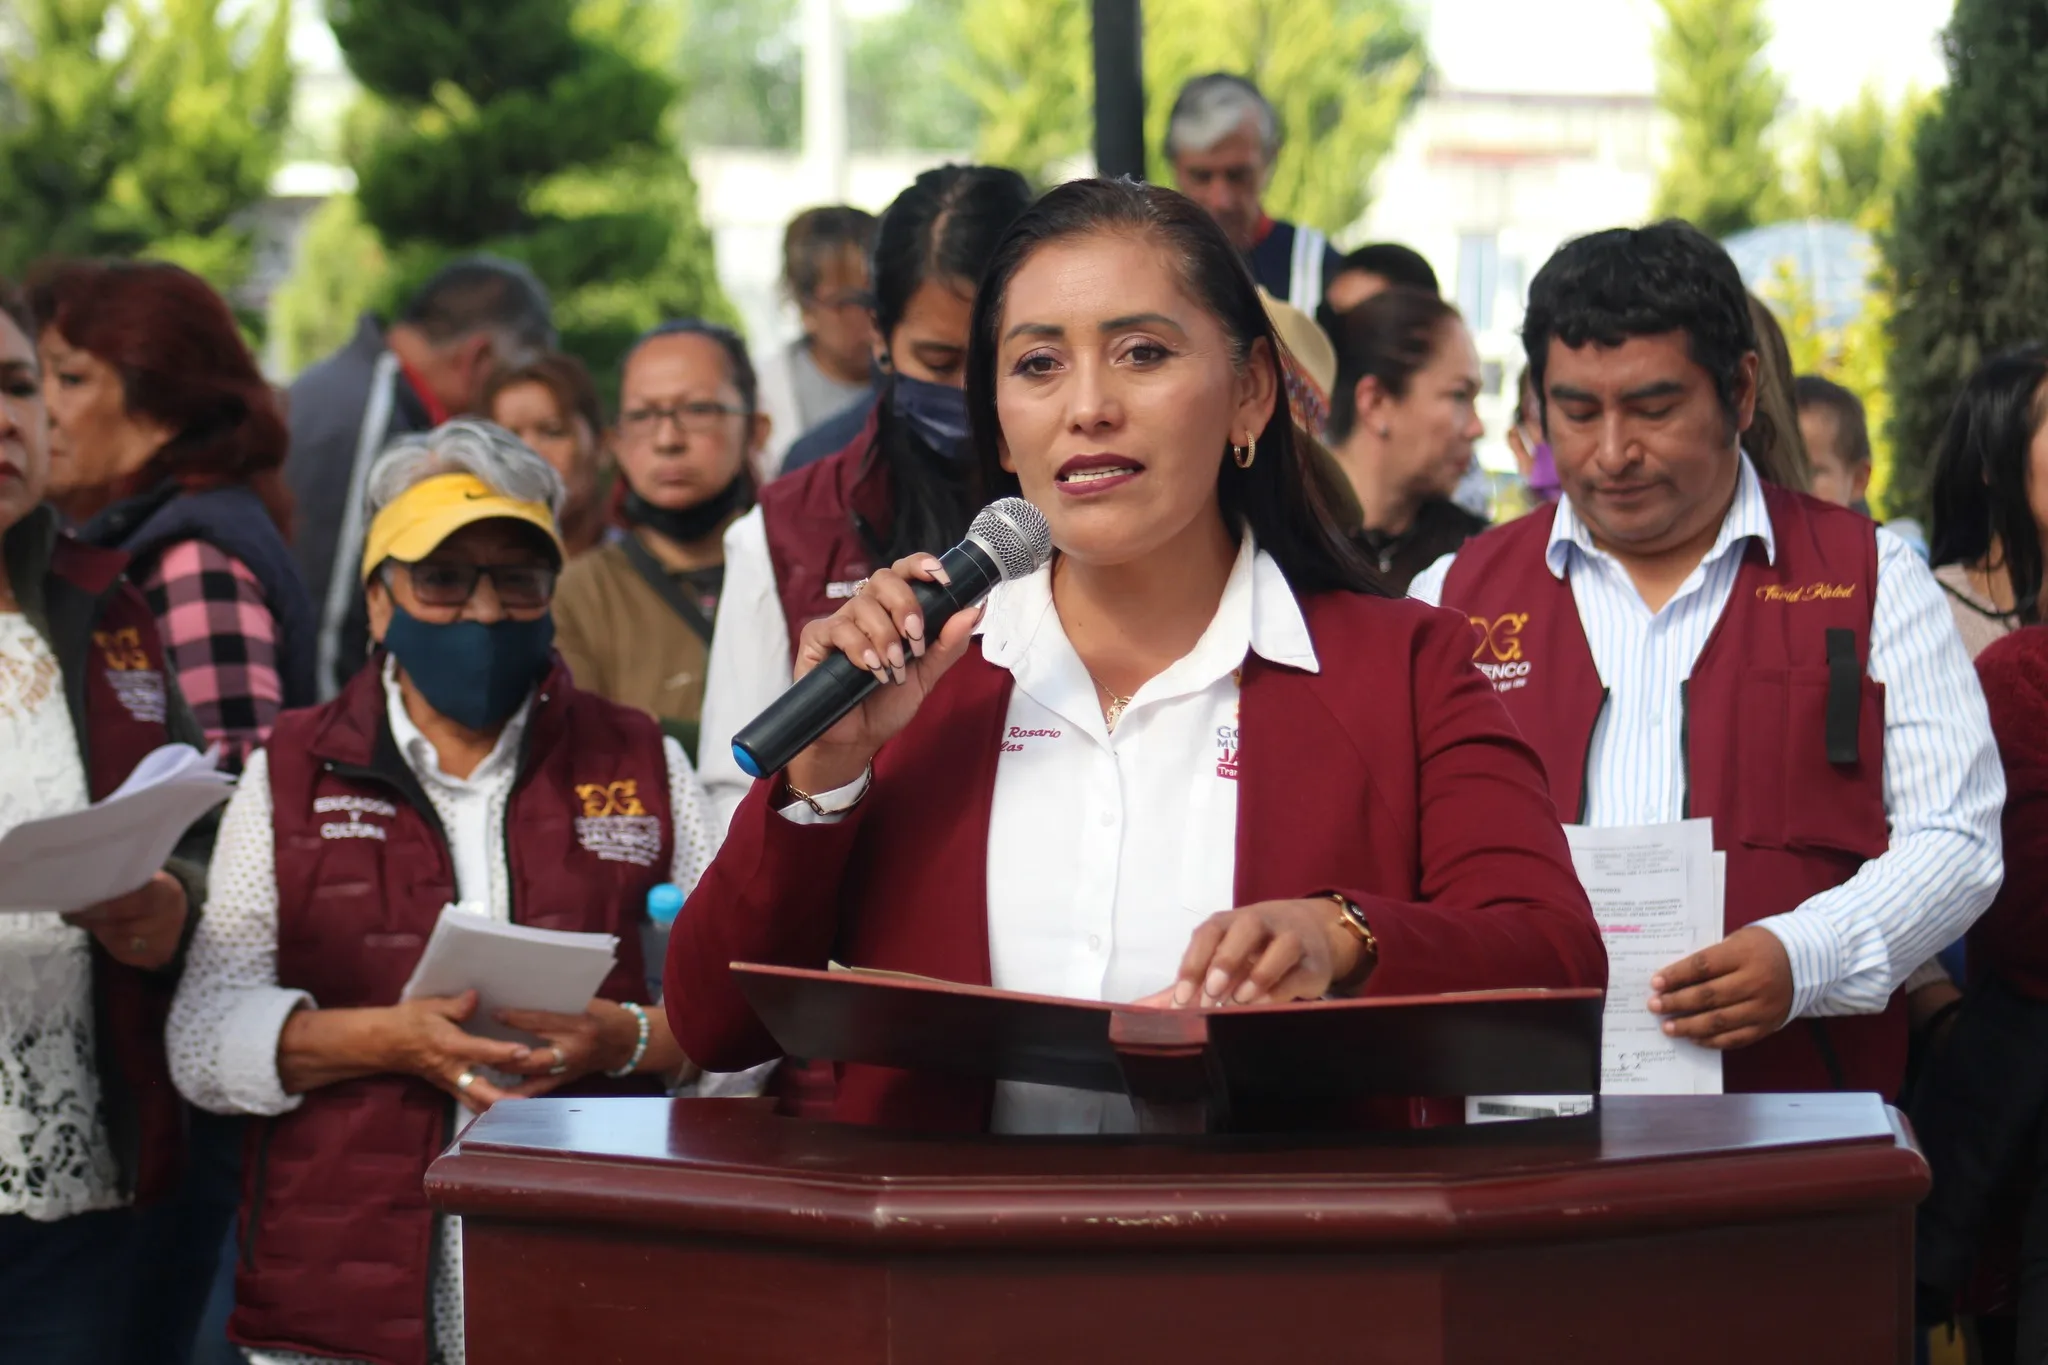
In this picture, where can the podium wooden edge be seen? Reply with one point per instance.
(911, 1213)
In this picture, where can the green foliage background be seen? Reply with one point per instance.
(1342, 73)
(140, 129)
(540, 130)
(1969, 249)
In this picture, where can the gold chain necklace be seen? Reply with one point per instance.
(1115, 711)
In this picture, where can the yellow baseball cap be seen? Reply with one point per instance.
(419, 519)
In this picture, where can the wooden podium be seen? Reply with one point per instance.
(712, 1232)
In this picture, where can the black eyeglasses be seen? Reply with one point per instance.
(450, 583)
(699, 416)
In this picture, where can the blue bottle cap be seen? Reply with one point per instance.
(664, 903)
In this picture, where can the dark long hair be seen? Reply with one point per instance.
(1980, 473)
(1287, 498)
(1390, 336)
(183, 364)
(944, 227)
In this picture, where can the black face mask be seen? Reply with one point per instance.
(689, 523)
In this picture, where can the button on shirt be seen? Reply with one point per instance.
(1106, 850)
(1852, 945)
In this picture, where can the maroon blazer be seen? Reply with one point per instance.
(1392, 775)
(2011, 940)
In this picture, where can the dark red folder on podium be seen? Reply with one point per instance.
(1192, 1069)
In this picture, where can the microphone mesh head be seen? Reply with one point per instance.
(1015, 535)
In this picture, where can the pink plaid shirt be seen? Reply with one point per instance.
(222, 641)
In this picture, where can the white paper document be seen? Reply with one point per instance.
(510, 967)
(1657, 893)
(69, 862)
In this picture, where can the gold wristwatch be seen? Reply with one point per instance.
(1353, 919)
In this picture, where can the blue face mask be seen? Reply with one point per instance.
(474, 673)
(936, 412)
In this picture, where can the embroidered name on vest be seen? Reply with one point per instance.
(1808, 592)
(138, 687)
(615, 824)
(1499, 652)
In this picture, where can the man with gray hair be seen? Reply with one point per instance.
(1222, 140)
(475, 316)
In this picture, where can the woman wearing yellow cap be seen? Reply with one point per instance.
(461, 767)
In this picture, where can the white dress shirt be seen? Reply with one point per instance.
(750, 662)
(1107, 849)
(1853, 945)
(230, 1010)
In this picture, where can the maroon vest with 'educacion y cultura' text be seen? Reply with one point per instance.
(337, 1233)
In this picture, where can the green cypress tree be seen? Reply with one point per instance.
(1721, 174)
(535, 129)
(1969, 246)
(129, 129)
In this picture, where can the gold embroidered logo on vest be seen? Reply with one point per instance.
(615, 824)
(1499, 652)
(1806, 592)
(138, 687)
(610, 798)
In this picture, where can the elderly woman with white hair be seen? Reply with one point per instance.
(460, 766)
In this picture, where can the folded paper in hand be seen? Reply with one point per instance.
(69, 862)
(510, 967)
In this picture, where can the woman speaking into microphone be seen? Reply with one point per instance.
(1199, 758)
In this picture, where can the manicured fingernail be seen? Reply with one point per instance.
(913, 626)
(1670, 1028)
(900, 676)
(1218, 981)
(938, 571)
(882, 676)
(1246, 992)
(873, 661)
(1183, 993)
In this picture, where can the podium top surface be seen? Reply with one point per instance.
(733, 1168)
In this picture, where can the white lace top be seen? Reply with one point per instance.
(229, 1010)
(55, 1158)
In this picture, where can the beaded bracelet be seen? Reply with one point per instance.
(639, 1048)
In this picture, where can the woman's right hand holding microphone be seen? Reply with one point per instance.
(882, 629)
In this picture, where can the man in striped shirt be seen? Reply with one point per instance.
(1683, 636)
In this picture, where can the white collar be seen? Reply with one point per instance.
(1749, 517)
(1258, 613)
(419, 753)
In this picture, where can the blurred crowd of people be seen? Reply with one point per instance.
(440, 596)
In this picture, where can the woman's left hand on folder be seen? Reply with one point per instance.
(1265, 953)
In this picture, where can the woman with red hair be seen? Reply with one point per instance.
(166, 443)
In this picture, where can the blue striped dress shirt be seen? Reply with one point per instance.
(1853, 945)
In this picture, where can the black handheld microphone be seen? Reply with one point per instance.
(1009, 539)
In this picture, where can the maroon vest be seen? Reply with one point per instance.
(115, 677)
(336, 1230)
(814, 519)
(1783, 729)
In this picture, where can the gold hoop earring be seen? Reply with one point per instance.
(1246, 453)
